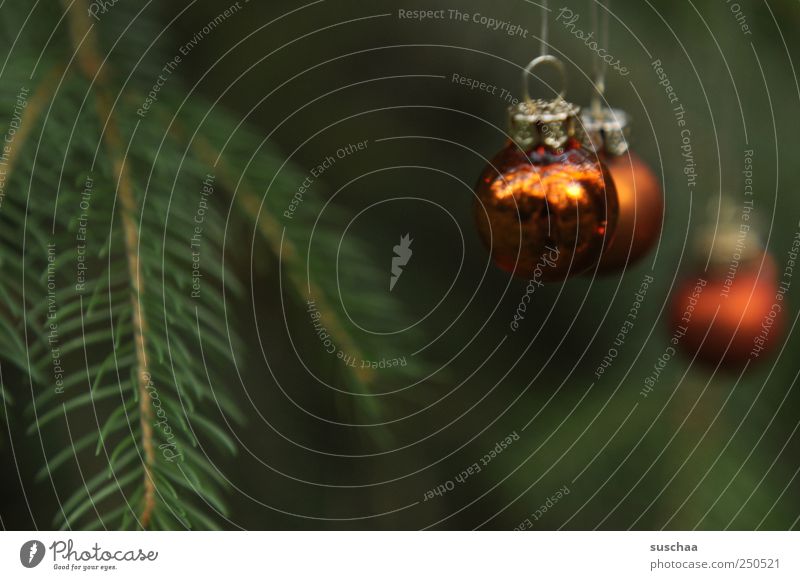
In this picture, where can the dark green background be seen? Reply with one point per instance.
(704, 445)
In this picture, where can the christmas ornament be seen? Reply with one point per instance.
(733, 312)
(641, 203)
(545, 202)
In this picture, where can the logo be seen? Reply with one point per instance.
(403, 253)
(31, 553)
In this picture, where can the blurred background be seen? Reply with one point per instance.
(708, 448)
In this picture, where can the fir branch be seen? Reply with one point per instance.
(33, 111)
(270, 229)
(85, 43)
(30, 116)
(116, 332)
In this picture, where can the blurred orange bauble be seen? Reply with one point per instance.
(735, 316)
(641, 211)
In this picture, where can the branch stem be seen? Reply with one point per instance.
(91, 64)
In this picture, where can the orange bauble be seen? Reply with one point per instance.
(641, 212)
(542, 211)
(735, 317)
(641, 202)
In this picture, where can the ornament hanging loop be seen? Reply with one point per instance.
(550, 122)
(538, 62)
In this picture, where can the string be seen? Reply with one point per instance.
(543, 58)
(600, 24)
(545, 28)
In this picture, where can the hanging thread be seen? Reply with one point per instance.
(544, 58)
(600, 24)
(545, 28)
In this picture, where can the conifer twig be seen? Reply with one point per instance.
(271, 230)
(90, 63)
(33, 111)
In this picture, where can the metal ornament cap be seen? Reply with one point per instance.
(729, 244)
(550, 123)
(726, 236)
(608, 131)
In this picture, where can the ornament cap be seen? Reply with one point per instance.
(727, 238)
(550, 123)
(726, 245)
(608, 130)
